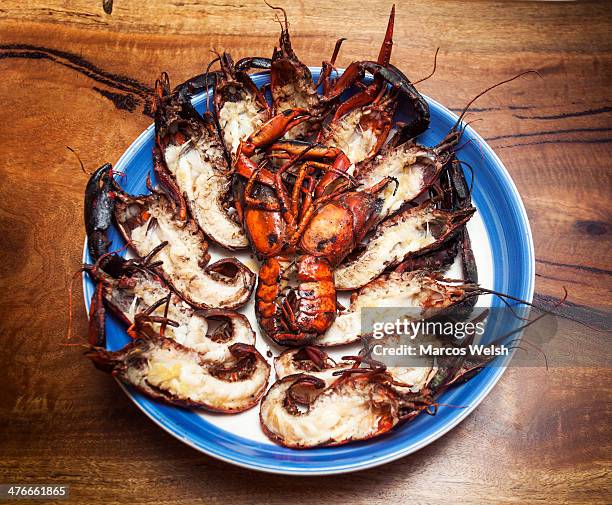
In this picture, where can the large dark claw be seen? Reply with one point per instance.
(99, 212)
(253, 62)
(197, 84)
(207, 80)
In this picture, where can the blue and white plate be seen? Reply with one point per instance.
(503, 248)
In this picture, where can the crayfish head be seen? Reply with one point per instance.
(339, 225)
(330, 233)
(267, 231)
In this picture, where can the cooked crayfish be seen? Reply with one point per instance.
(421, 294)
(175, 358)
(168, 371)
(412, 232)
(279, 223)
(152, 225)
(140, 298)
(302, 411)
(191, 164)
(360, 125)
(292, 86)
(240, 106)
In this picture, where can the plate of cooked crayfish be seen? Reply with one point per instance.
(233, 249)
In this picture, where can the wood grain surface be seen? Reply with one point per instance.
(73, 76)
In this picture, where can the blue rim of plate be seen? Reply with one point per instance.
(503, 213)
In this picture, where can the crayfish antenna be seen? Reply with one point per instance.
(529, 322)
(448, 143)
(433, 71)
(286, 27)
(79, 160)
(465, 109)
(70, 309)
(285, 40)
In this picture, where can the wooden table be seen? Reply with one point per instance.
(73, 76)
